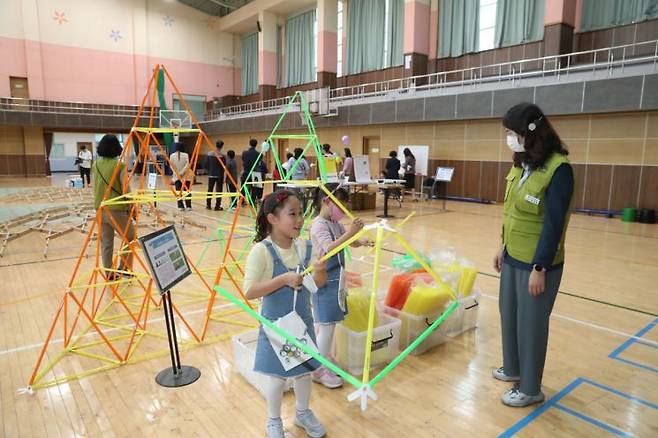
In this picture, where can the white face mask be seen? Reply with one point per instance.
(513, 143)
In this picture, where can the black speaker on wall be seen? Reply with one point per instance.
(258, 26)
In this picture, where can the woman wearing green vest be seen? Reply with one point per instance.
(114, 216)
(531, 256)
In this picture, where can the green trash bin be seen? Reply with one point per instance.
(629, 214)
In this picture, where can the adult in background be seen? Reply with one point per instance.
(115, 217)
(300, 166)
(215, 163)
(232, 167)
(85, 158)
(326, 150)
(180, 162)
(409, 169)
(348, 165)
(531, 256)
(286, 166)
(392, 170)
(249, 158)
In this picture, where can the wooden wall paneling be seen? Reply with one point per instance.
(456, 186)
(472, 178)
(579, 184)
(646, 31)
(489, 180)
(16, 164)
(603, 39)
(625, 186)
(502, 55)
(516, 53)
(503, 169)
(4, 165)
(597, 186)
(649, 188)
(582, 43)
(624, 35)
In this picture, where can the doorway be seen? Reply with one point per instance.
(371, 149)
(281, 150)
(19, 90)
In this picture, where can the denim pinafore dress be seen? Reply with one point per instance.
(276, 305)
(326, 309)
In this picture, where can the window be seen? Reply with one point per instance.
(487, 25)
(387, 31)
(57, 151)
(339, 46)
(315, 46)
(196, 103)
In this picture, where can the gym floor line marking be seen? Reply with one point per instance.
(61, 340)
(554, 402)
(594, 300)
(31, 262)
(591, 325)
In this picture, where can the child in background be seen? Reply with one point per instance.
(272, 272)
(329, 305)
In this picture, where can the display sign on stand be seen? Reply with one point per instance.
(168, 264)
(362, 169)
(444, 174)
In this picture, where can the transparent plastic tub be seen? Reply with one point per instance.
(350, 345)
(466, 315)
(244, 354)
(412, 326)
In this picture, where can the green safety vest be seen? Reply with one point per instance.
(523, 213)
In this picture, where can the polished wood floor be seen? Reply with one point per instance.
(600, 378)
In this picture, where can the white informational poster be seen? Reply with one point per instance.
(444, 174)
(422, 157)
(257, 179)
(362, 169)
(165, 257)
(153, 181)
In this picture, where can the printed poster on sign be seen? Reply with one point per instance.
(362, 169)
(165, 257)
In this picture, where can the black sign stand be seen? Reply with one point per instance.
(177, 375)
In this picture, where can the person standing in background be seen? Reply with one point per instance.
(249, 158)
(215, 167)
(302, 169)
(409, 169)
(232, 168)
(181, 164)
(115, 217)
(85, 158)
(348, 165)
(392, 170)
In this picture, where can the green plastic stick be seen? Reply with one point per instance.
(395, 362)
(279, 331)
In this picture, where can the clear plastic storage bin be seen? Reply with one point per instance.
(350, 345)
(412, 326)
(244, 354)
(466, 315)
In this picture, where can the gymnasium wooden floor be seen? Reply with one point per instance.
(601, 376)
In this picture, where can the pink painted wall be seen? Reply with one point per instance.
(57, 72)
(416, 27)
(266, 68)
(327, 51)
(434, 30)
(560, 11)
(12, 54)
